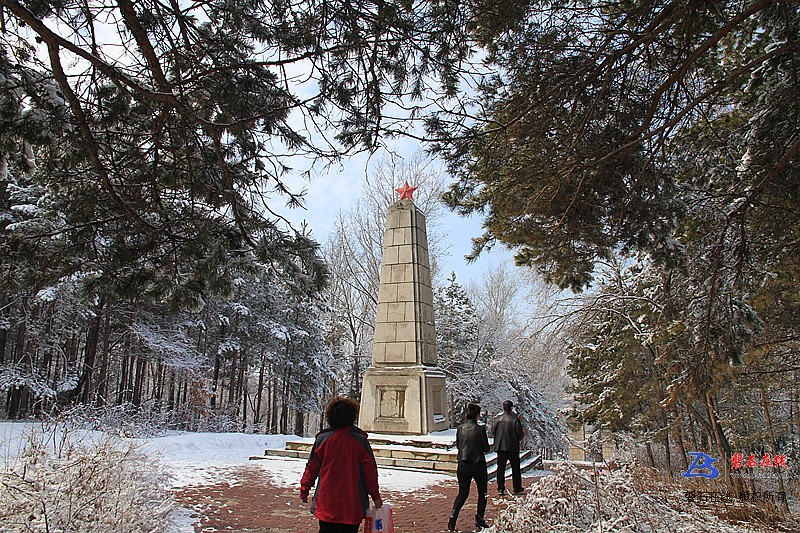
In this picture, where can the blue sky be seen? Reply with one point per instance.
(341, 185)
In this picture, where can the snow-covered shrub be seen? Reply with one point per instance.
(124, 420)
(89, 485)
(625, 500)
(221, 422)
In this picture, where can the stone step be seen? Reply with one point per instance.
(424, 444)
(527, 461)
(306, 444)
(388, 451)
(435, 460)
(428, 464)
(302, 449)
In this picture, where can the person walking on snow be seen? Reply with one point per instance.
(508, 432)
(472, 444)
(344, 467)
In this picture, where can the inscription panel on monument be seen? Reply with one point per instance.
(392, 402)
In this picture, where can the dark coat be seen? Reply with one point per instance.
(472, 442)
(342, 461)
(507, 431)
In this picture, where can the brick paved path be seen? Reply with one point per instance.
(249, 501)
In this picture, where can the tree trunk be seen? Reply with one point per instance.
(19, 346)
(102, 385)
(650, 456)
(3, 338)
(692, 431)
(171, 392)
(138, 384)
(354, 392)
(260, 390)
(158, 380)
(12, 402)
(232, 378)
(124, 370)
(244, 410)
(679, 436)
(273, 424)
(217, 369)
(241, 387)
(129, 387)
(89, 355)
(284, 429)
(299, 423)
(773, 445)
(723, 446)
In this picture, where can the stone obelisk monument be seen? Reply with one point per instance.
(404, 391)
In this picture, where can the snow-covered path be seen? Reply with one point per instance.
(202, 464)
(209, 469)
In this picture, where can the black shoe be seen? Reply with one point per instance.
(451, 524)
(480, 523)
(501, 492)
(520, 491)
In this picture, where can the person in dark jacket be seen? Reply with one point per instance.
(344, 467)
(508, 432)
(472, 444)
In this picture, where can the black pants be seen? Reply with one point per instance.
(330, 527)
(516, 474)
(466, 473)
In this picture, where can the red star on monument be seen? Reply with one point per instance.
(406, 191)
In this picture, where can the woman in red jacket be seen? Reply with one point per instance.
(344, 467)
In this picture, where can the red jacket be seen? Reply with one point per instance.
(342, 462)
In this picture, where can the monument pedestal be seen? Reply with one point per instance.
(403, 400)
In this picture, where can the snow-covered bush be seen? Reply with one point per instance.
(625, 500)
(61, 483)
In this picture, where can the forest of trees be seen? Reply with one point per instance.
(145, 151)
(646, 153)
(640, 154)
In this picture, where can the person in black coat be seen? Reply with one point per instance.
(507, 431)
(472, 443)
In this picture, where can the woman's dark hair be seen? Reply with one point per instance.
(341, 412)
(473, 410)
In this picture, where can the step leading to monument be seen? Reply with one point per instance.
(400, 454)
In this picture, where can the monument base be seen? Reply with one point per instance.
(403, 400)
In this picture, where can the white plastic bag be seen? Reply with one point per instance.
(379, 520)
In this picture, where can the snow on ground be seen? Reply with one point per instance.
(207, 458)
(200, 458)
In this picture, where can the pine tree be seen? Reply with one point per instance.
(168, 136)
(459, 351)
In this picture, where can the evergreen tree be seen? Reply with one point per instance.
(572, 150)
(660, 137)
(457, 345)
(142, 148)
(167, 131)
(483, 365)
